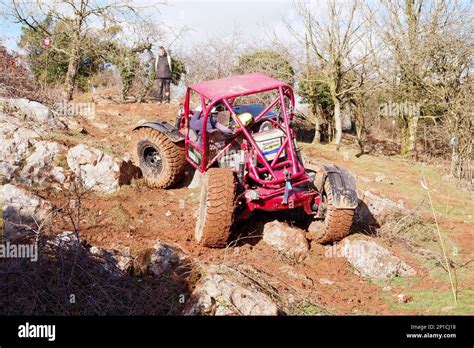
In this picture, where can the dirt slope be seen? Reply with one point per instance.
(136, 217)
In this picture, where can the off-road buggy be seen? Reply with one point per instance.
(249, 158)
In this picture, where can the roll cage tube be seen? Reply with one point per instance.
(283, 91)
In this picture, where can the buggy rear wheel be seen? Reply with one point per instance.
(337, 222)
(161, 161)
(216, 210)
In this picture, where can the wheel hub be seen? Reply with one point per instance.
(152, 158)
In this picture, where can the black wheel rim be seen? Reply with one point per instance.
(152, 158)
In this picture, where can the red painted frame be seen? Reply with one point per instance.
(270, 190)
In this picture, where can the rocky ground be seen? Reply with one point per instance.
(68, 183)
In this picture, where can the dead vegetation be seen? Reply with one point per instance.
(69, 279)
(418, 236)
(16, 81)
(72, 281)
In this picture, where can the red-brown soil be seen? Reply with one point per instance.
(136, 217)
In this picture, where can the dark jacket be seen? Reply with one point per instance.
(163, 67)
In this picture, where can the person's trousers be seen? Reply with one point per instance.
(164, 90)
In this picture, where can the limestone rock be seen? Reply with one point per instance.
(374, 261)
(374, 210)
(40, 164)
(96, 170)
(23, 211)
(113, 262)
(291, 241)
(222, 291)
(32, 111)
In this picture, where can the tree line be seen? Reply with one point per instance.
(404, 60)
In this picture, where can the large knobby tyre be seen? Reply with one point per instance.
(161, 161)
(216, 210)
(337, 222)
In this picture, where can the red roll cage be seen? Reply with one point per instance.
(225, 91)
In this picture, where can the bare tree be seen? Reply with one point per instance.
(81, 17)
(409, 29)
(449, 87)
(334, 42)
(214, 58)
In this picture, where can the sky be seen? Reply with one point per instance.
(255, 20)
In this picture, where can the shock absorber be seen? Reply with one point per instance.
(288, 187)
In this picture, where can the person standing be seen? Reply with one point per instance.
(163, 74)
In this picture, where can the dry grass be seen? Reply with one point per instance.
(47, 286)
(67, 279)
(413, 233)
(418, 236)
(408, 229)
(17, 82)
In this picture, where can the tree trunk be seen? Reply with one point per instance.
(408, 134)
(317, 132)
(317, 124)
(361, 136)
(337, 122)
(70, 82)
(413, 130)
(74, 59)
(404, 135)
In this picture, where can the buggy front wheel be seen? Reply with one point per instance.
(216, 210)
(337, 222)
